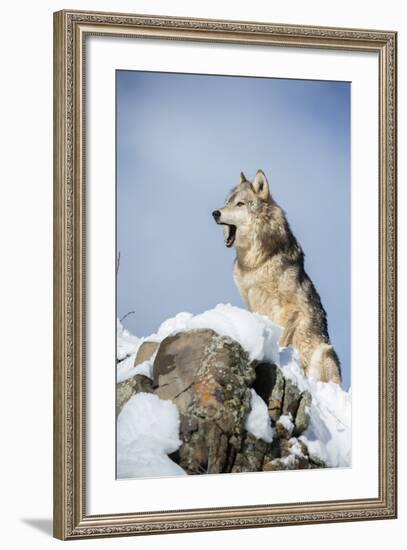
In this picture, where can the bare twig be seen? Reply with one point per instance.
(127, 314)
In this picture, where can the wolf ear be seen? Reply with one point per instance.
(261, 185)
(242, 177)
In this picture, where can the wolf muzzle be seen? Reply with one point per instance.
(230, 230)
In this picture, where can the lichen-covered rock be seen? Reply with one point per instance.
(275, 400)
(251, 456)
(178, 359)
(135, 384)
(287, 463)
(302, 417)
(293, 456)
(292, 397)
(208, 376)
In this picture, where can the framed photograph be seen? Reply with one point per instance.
(225, 274)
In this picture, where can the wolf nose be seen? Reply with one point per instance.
(216, 215)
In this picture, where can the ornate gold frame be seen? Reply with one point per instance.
(70, 518)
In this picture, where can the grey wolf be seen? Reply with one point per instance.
(269, 273)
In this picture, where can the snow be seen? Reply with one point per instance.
(127, 344)
(295, 448)
(288, 460)
(286, 420)
(255, 333)
(126, 368)
(148, 427)
(258, 420)
(147, 431)
(127, 348)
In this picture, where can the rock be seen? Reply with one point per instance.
(208, 376)
(275, 401)
(293, 456)
(302, 418)
(316, 462)
(304, 448)
(145, 352)
(292, 397)
(135, 384)
(287, 463)
(270, 386)
(177, 362)
(251, 456)
(285, 426)
(143, 384)
(285, 447)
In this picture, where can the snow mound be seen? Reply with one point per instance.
(147, 431)
(258, 420)
(255, 333)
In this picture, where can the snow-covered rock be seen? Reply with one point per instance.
(255, 333)
(328, 436)
(307, 421)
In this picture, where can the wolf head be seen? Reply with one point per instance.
(245, 206)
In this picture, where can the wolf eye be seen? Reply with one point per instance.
(240, 204)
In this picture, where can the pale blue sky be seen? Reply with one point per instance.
(182, 141)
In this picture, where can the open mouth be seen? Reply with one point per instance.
(230, 234)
